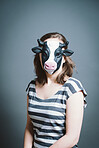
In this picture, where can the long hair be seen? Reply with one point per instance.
(67, 67)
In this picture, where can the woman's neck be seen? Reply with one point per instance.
(51, 79)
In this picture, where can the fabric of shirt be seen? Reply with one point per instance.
(48, 116)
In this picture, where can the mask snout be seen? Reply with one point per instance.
(50, 67)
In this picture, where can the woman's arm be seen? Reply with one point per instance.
(28, 136)
(74, 118)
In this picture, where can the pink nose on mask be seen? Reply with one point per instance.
(50, 65)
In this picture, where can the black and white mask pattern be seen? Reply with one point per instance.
(52, 54)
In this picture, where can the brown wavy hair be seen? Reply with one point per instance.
(67, 67)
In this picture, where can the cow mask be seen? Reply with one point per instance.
(52, 54)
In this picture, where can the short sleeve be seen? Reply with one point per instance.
(73, 86)
(30, 88)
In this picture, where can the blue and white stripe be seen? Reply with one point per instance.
(49, 115)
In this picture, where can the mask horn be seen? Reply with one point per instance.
(63, 44)
(40, 42)
(38, 49)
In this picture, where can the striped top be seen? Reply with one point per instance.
(49, 115)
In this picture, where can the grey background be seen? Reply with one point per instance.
(21, 23)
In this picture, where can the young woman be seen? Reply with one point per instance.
(55, 100)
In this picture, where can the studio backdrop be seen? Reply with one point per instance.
(22, 22)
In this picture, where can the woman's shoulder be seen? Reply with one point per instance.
(73, 79)
(74, 85)
(74, 82)
(31, 84)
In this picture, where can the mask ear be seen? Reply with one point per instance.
(67, 52)
(37, 49)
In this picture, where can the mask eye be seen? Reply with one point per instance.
(45, 54)
(58, 54)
